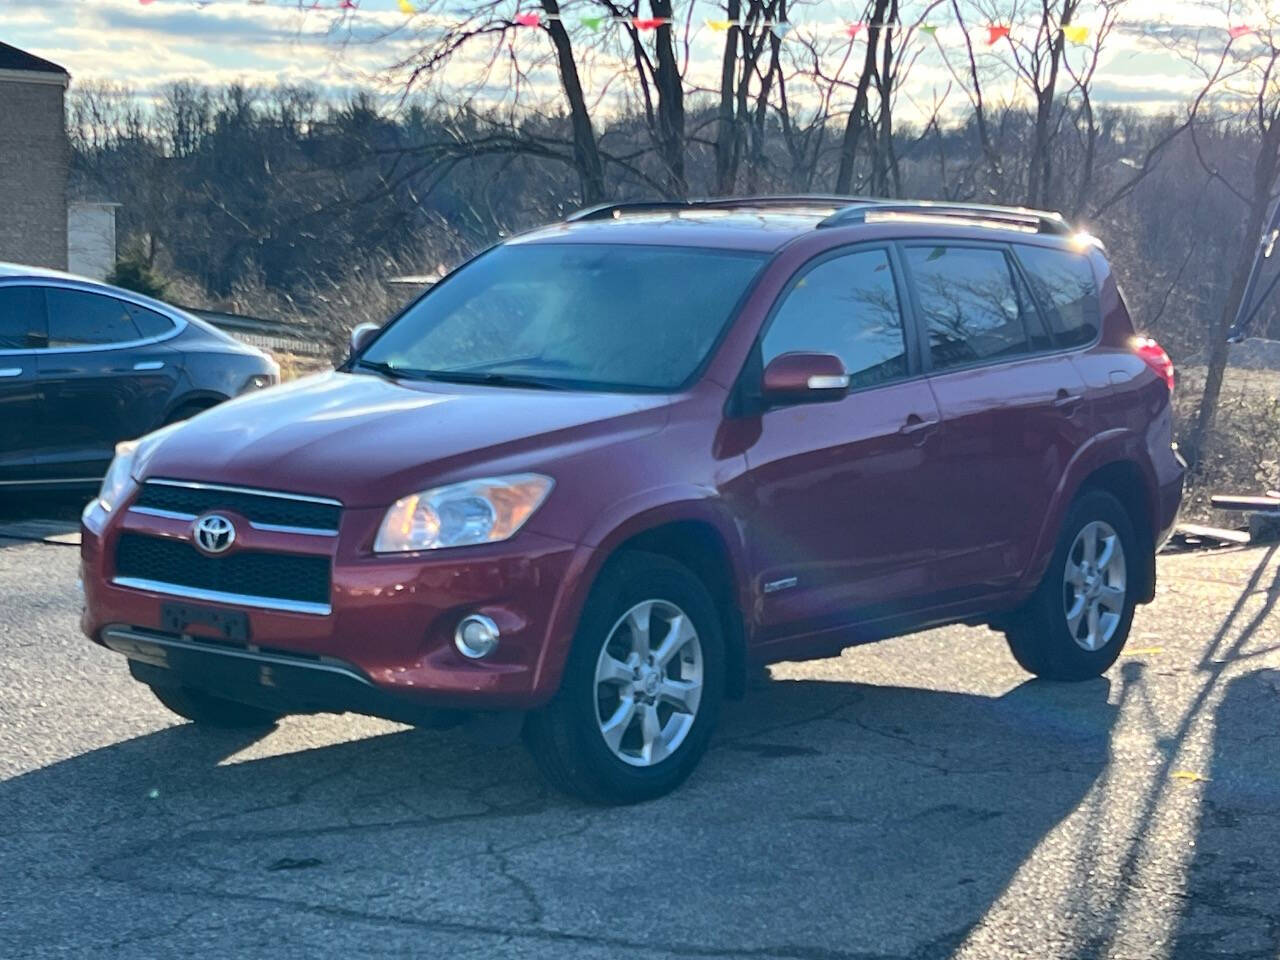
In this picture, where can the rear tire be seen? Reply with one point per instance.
(1076, 623)
(642, 687)
(209, 711)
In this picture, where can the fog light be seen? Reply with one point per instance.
(476, 636)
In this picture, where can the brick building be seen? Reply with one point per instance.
(34, 159)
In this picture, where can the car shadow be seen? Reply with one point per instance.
(47, 518)
(829, 818)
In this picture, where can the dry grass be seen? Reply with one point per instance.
(1243, 456)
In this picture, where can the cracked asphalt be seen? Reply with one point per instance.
(918, 798)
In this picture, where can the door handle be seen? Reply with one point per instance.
(10, 371)
(916, 424)
(149, 365)
(1067, 401)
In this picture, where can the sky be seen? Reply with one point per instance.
(144, 45)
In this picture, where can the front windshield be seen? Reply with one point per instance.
(615, 316)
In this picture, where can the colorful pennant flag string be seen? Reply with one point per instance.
(1077, 34)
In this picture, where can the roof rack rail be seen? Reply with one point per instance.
(1042, 221)
(610, 211)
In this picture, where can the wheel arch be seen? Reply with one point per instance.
(696, 534)
(1124, 480)
(197, 400)
(1116, 463)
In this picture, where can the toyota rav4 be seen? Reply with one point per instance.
(600, 472)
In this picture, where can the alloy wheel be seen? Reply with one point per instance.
(1094, 585)
(648, 683)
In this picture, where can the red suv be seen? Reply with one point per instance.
(600, 471)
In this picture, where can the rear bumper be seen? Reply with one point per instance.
(384, 647)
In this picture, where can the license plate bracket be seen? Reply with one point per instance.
(227, 624)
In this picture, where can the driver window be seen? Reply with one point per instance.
(847, 306)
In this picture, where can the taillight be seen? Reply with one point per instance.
(1153, 356)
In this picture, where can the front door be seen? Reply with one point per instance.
(21, 330)
(842, 493)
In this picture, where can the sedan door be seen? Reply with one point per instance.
(106, 377)
(842, 493)
(22, 329)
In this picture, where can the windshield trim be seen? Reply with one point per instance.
(762, 259)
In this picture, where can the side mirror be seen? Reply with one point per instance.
(804, 378)
(362, 334)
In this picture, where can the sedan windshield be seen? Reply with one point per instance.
(566, 316)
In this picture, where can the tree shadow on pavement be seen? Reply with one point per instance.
(1228, 905)
(830, 819)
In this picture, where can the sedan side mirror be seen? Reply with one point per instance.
(362, 334)
(804, 378)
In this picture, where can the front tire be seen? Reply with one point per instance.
(1076, 623)
(642, 687)
(208, 711)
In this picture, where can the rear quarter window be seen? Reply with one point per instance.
(1063, 284)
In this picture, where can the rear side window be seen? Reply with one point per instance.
(972, 306)
(1063, 284)
(148, 322)
(84, 319)
(847, 306)
(21, 318)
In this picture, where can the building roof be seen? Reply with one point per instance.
(11, 58)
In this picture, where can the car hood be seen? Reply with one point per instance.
(367, 441)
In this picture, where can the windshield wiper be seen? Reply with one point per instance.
(386, 369)
(496, 379)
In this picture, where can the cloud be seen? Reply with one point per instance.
(146, 47)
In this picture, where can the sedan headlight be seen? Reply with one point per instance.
(461, 514)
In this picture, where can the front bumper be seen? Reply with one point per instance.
(389, 627)
(279, 680)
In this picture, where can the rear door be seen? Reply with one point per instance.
(839, 522)
(1012, 408)
(106, 376)
(22, 330)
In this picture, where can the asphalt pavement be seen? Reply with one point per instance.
(918, 798)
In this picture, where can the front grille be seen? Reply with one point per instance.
(261, 508)
(278, 576)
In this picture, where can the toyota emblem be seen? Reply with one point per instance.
(214, 533)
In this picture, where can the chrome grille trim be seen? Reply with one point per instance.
(253, 491)
(217, 596)
(265, 527)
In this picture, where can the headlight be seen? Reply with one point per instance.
(461, 514)
(118, 482)
(131, 457)
(259, 381)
